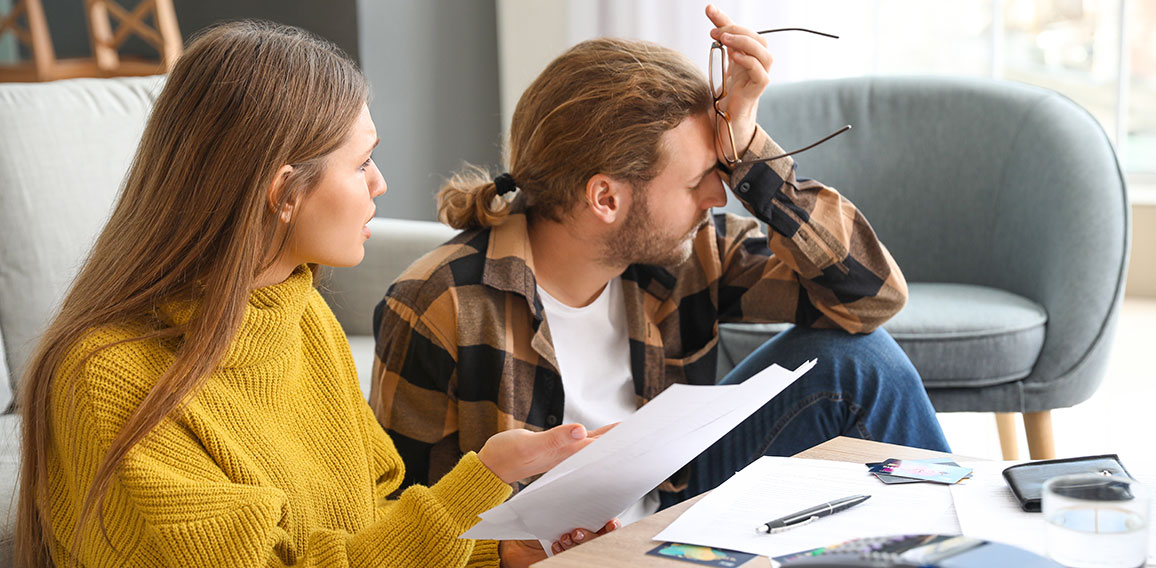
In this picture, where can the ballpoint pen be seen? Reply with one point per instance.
(810, 515)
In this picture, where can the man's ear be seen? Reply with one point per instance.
(604, 197)
(274, 195)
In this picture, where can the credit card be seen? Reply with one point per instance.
(891, 479)
(702, 555)
(920, 470)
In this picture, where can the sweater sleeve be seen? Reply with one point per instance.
(485, 552)
(217, 523)
(820, 265)
(171, 504)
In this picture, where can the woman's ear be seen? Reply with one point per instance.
(275, 194)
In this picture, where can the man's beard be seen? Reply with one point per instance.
(639, 241)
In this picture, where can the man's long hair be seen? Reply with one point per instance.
(601, 107)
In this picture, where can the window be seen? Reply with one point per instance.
(1099, 53)
(1140, 142)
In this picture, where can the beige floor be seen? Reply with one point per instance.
(1120, 418)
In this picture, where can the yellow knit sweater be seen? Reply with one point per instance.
(277, 461)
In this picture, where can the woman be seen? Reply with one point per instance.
(194, 403)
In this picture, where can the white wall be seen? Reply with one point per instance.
(534, 32)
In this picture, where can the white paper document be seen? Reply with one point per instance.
(987, 509)
(599, 482)
(775, 487)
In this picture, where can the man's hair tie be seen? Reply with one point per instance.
(505, 183)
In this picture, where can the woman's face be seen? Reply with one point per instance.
(330, 226)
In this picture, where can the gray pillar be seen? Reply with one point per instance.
(7, 41)
(433, 71)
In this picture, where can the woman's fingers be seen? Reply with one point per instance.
(518, 454)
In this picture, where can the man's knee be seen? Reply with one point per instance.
(848, 362)
(806, 343)
(871, 357)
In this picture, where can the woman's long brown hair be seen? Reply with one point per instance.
(193, 222)
(601, 107)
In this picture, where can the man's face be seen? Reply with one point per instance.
(666, 213)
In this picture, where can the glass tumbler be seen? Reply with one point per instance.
(1096, 521)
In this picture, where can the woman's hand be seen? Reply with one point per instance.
(518, 454)
(748, 74)
(519, 553)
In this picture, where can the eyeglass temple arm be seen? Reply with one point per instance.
(730, 169)
(798, 30)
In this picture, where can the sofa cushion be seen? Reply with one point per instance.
(957, 335)
(353, 292)
(65, 150)
(960, 335)
(394, 244)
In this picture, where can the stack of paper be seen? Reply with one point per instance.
(775, 487)
(599, 482)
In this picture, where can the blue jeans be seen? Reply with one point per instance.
(862, 386)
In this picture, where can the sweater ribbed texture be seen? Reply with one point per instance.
(277, 461)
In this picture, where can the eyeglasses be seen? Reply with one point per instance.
(718, 89)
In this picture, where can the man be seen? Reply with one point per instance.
(604, 280)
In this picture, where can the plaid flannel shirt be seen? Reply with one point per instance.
(464, 350)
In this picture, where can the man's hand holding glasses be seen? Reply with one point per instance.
(740, 65)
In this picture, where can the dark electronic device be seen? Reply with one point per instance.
(915, 551)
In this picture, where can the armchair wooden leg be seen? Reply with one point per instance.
(1005, 423)
(1041, 443)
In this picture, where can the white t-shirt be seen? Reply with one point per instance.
(593, 350)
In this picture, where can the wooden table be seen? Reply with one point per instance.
(627, 547)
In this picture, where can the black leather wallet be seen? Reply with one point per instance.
(1027, 479)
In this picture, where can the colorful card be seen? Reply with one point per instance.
(915, 469)
(704, 555)
(891, 479)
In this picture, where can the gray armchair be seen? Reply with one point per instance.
(1006, 209)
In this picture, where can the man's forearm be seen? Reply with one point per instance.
(846, 271)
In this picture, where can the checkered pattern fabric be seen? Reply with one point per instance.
(464, 350)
